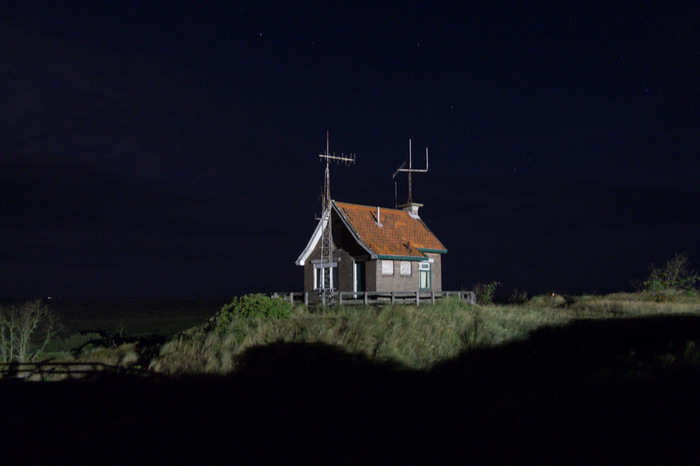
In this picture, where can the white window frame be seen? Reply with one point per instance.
(387, 267)
(323, 270)
(424, 268)
(405, 268)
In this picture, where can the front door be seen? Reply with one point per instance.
(359, 276)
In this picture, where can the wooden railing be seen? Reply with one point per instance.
(54, 371)
(374, 297)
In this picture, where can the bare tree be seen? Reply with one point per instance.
(25, 330)
(675, 275)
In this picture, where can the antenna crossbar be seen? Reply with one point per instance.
(339, 158)
(348, 159)
(410, 170)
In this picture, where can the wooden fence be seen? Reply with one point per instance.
(350, 298)
(54, 371)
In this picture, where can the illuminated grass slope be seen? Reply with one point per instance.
(410, 337)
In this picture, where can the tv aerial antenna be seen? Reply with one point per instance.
(328, 157)
(326, 281)
(409, 170)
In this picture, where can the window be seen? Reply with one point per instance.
(406, 268)
(424, 277)
(387, 267)
(321, 272)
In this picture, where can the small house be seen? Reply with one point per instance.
(375, 249)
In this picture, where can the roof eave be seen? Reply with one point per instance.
(437, 251)
(402, 258)
(315, 237)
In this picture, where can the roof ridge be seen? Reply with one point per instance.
(369, 206)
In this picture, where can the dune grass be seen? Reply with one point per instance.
(446, 384)
(413, 337)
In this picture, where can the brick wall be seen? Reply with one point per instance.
(308, 276)
(345, 272)
(371, 275)
(345, 269)
(398, 282)
(435, 271)
(374, 279)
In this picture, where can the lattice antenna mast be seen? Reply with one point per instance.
(410, 170)
(327, 156)
(326, 282)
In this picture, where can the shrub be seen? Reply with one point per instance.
(75, 344)
(569, 300)
(250, 306)
(550, 301)
(484, 292)
(673, 275)
(518, 297)
(474, 335)
(124, 355)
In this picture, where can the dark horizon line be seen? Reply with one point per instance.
(501, 292)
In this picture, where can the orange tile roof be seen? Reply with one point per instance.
(399, 235)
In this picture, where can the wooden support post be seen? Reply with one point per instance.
(306, 298)
(393, 297)
(365, 293)
(417, 298)
(340, 298)
(432, 296)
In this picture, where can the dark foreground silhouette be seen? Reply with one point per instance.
(615, 392)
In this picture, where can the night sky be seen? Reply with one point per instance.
(171, 149)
